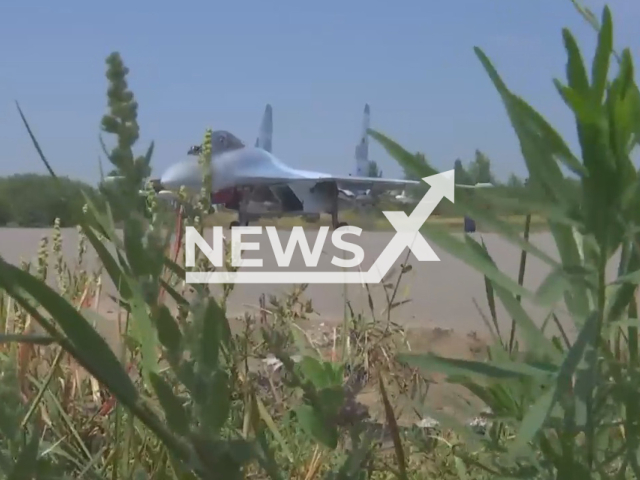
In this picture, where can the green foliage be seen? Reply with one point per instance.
(22, 454)
(461, 175)
(412, 172)
(480, 169)
(122, 121)
(374, 170)
(31, 200)
(415, 169)
(564, 408)
(5, 212)
(514, 181)
(324, 398)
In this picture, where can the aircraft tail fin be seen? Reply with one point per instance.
(362, 149)
(265, 136)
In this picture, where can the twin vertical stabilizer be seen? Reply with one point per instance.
(362, 149)
(265, 137)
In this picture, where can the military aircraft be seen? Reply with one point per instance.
(255, 183)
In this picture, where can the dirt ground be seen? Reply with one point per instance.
(441, 397)
(440, 315)
(444, 294)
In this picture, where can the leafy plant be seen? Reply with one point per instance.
(563, 408)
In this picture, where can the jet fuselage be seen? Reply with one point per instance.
(247, 175)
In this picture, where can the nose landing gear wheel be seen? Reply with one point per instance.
(342, 224)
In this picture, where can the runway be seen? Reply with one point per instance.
(440, 294)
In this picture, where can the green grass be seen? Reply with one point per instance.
(184, 395)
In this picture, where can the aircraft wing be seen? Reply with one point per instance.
(375, 185)
(255, 166)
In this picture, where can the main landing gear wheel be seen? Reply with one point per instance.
(334, 211)
(335, 223)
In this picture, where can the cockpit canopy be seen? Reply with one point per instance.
(195, 150)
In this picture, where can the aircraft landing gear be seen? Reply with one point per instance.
(237, 224)
(335, 223)
(242, 211)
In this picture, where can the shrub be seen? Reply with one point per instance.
(31, 200)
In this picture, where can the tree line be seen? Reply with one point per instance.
(477, 171)
(33, 200)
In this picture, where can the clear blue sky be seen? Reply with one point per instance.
(200, 64)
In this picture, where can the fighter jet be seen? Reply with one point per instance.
(256, 183)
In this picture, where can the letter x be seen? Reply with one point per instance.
(407, 235)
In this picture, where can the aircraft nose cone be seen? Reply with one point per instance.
(184, 174)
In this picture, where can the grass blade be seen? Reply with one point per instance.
(457, 367)
(395, 432)
(35, 142)
(86, 340)
(26, 466)
(33, 339)
(174, 411)
(600, 67)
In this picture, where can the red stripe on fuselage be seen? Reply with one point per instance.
(229, 197)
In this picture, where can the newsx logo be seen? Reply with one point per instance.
(283, 256)
(407, 236)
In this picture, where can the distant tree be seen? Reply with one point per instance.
(374, 171)
(423, 169)
(5, 212)
(31, 200)
(514, 181)
(462, 177)
(411, 175)
(459, 171)
(480, 169)
(122, 121)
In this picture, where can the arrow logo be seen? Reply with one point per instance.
(408, 228)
